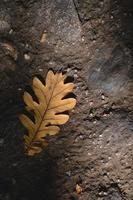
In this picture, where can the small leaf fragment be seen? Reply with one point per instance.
(78, 189)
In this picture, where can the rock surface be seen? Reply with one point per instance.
(92, 41)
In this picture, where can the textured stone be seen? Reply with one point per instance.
(92, 41)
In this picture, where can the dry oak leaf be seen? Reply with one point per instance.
(47, 111)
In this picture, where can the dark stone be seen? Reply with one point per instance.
(113, 194)
(92, 41)
(113, 75)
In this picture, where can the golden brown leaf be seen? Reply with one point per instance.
(47, 112)
(78, 189)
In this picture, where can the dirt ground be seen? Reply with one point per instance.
(92, 41)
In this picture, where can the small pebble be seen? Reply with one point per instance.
(40, 70)
(68, 173)
(100, 136)
(26, 45)
(91, 103)
(5, 22)
(75, 76)
(102, 97)
(83, 39)
(91, 114)
(19, 89)
(68, 70)
(1, 142)
(43, 38)
(27, 57)
(11, 31)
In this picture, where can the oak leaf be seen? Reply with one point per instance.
(47, 111)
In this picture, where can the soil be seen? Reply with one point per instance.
(91, 41)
